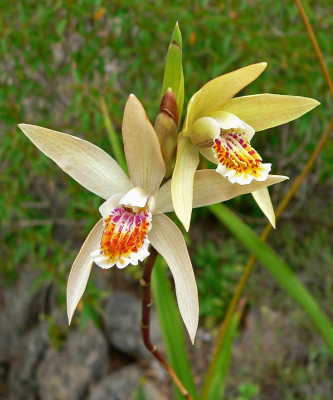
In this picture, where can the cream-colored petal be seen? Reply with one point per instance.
(204, 131)
(89, 165)
(210, 187)
(81, 268)
(264, 202)
(142, 149)
(263, 111)
(136, 197)
(190, 113)
(248, 132)
(110, 204)
(217, 92)
(182, 179)
(208, 153)
(227, 120)
(169, 242)
(163, 200)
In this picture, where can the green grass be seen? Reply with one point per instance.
(57, 59)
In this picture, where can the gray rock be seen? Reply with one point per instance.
(120, 385)
(67, 373)
(124, 385)
(28, 353)
(17, 314)
(122, 317)
(8, 337)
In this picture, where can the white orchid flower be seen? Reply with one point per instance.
(133, 213)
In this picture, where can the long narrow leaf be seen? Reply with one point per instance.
(172, 328)
(278, 269)
(217, 387)
(113, 137)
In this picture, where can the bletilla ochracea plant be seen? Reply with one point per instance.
(133, 212)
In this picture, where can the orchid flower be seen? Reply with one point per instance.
(221, 128)
(133, 213)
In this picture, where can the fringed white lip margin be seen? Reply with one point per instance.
(237, 159)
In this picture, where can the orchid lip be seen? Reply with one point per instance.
(125, 237)
(237, 159)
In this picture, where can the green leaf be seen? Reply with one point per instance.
(113, 137)
(217, 387)
(278, 269)
(173, 72)
(172, 328)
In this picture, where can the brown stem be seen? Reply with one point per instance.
(282, 206)
(315, 45)
(145, 322)
(248, 269)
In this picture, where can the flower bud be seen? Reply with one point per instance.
(166, 126)
(173, 72)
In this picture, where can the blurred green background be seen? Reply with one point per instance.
(58, 59)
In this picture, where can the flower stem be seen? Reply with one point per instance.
(247, 271)
(315, 45)
(147, 302)
(282, 206)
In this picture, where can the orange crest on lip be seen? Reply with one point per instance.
(237, 159)
(124, 239)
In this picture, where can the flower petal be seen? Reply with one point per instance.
(163, 200)
(264, 201)
(263, 111)
(218, 91)
(209, 153)
(182, 179)
(210, 187)
(110, 204)
(142, 149)
(204, 131)
(169, 242)
(81, 268)
(136, 197)
(89, 165)
(228, 121)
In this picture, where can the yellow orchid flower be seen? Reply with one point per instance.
(133, 213)
(221, 128)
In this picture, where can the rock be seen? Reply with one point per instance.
(120, 385)
(28, 353)
(124, 385)
(17, 314)
(122, 317)
(8, 337)
(67, 373)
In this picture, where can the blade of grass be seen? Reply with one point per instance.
(172, 329)
(250, 264)
(283, 204)
(278, 269)
(217, 387)
(113, 137)
(315, 45)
